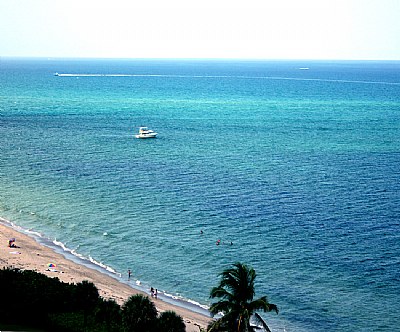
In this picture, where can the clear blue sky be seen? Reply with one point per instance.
(260, 29)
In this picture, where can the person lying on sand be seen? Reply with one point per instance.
(11, 244)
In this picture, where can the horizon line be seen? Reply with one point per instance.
(193, 58)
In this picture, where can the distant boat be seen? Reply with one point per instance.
(56, 74)
(145, 132)
(304, 68)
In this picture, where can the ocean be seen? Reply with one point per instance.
(292, 165)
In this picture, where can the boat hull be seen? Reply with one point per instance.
(146, 136)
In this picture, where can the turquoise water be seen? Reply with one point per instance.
(297, 168)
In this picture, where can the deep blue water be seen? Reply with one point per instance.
(299, 169)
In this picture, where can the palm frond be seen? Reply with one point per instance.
(261, 321)
(220, 306)
(273, 307)
(220, 292)
(263, 304)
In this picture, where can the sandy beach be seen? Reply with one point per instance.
(33, 256)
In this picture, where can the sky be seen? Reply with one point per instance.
(239, 29)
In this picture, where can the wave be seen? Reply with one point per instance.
(184, 302)
(229, 76)
(20, 229)
(104, 266)
(60, 244)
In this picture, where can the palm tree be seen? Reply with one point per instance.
(108, 313)
(236, 293)
(169, 321)
(139, 314)
(87, 296)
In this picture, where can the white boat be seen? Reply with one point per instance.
(145, 132)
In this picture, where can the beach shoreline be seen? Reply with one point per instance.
(32, 255)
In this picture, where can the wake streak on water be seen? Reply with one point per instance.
(228, 76)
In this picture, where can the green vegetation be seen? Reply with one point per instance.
(236, 293)
(41, 303)
(47, 304)
(139, 314)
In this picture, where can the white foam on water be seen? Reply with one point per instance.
(230, 76)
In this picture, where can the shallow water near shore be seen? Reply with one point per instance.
(294, 171)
